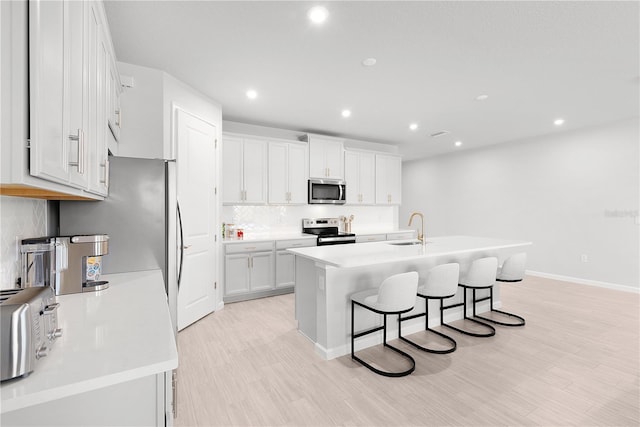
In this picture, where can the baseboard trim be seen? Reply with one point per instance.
(580, 281)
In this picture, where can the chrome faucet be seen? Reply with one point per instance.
(421, 232)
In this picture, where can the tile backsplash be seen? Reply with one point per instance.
(19, 218)
(287, 219)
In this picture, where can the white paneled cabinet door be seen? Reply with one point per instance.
(262, 271)
(278, 173)
(232, 181)
(326, 158)
(352, 176)
(298, 174)
(285, 269)
(196, 162)
(236, 272)
(367, 178)
(255, 171)
(49, 63)
(388, 179)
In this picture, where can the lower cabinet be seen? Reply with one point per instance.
(139, 402)
(285, 261)
(256, 270)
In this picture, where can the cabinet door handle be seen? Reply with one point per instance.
(118, 118)
(81, 148)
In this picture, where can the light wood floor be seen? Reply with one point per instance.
(576, 362)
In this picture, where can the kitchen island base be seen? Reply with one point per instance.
(324, 284)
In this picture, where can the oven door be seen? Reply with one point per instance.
(327, 191)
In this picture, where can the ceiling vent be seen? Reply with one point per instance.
(437, 134)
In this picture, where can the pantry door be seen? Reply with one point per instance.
(196, 167)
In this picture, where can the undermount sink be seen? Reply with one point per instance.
(406, 243)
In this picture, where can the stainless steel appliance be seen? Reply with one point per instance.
(327, 230)
(67, 264)
(28, 328)
(140, 217)
(327, 191)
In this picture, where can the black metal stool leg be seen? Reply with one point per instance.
(427, 329)
(384, 342)
(520, 320)
(491, 330)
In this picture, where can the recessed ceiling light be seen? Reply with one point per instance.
(458, 143)
(413, 126)
(346, 113)
(482, 97)
(318, 14)
(252, 94)
(558, 122)
(369, 62)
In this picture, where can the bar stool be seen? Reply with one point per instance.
(396, 295)
(512, 270)
(441, 283)
(481, 275)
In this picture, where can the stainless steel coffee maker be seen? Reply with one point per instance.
(68, 264)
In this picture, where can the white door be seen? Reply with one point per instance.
(196, 198)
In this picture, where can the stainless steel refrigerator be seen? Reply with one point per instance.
(141, 218)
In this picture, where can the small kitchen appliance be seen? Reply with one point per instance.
(28, 328)
(327, 192)
(67, 264)
(327, 230)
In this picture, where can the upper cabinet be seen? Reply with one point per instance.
(326, 157)
(288, 173)
(388, 179)
(55, 65)
(359, 174)
(244, 174)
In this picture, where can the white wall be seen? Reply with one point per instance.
(571, 194)
(20, 218)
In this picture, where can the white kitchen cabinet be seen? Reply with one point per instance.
(57, 90)
(98, 58)
(70, 51)
(359, 173)
(288, 172)
(285, 261)
(388, 179)
(244, 170)
(326, 157)
(249, 270)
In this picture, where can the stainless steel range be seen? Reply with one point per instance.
(327, 230)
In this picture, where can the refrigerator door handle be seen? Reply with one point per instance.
(181, 244)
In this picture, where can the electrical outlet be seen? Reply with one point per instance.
(584, 258)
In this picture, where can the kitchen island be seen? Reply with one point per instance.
(111, 364)
(326, 277)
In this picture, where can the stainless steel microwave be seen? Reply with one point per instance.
(327, 192)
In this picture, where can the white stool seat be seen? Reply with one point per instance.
(481, 274)
(513, 268)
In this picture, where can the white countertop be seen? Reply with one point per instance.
(108, 337)
(361, 255)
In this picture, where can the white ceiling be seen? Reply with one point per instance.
(537, 61)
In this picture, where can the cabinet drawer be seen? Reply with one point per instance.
(234, 248)
(401, 236)
(365, 238)
(295, 243)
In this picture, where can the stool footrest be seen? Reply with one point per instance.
(521, 321)
(492, 330)
(451, 349)
(386, 373)
(368, 331)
